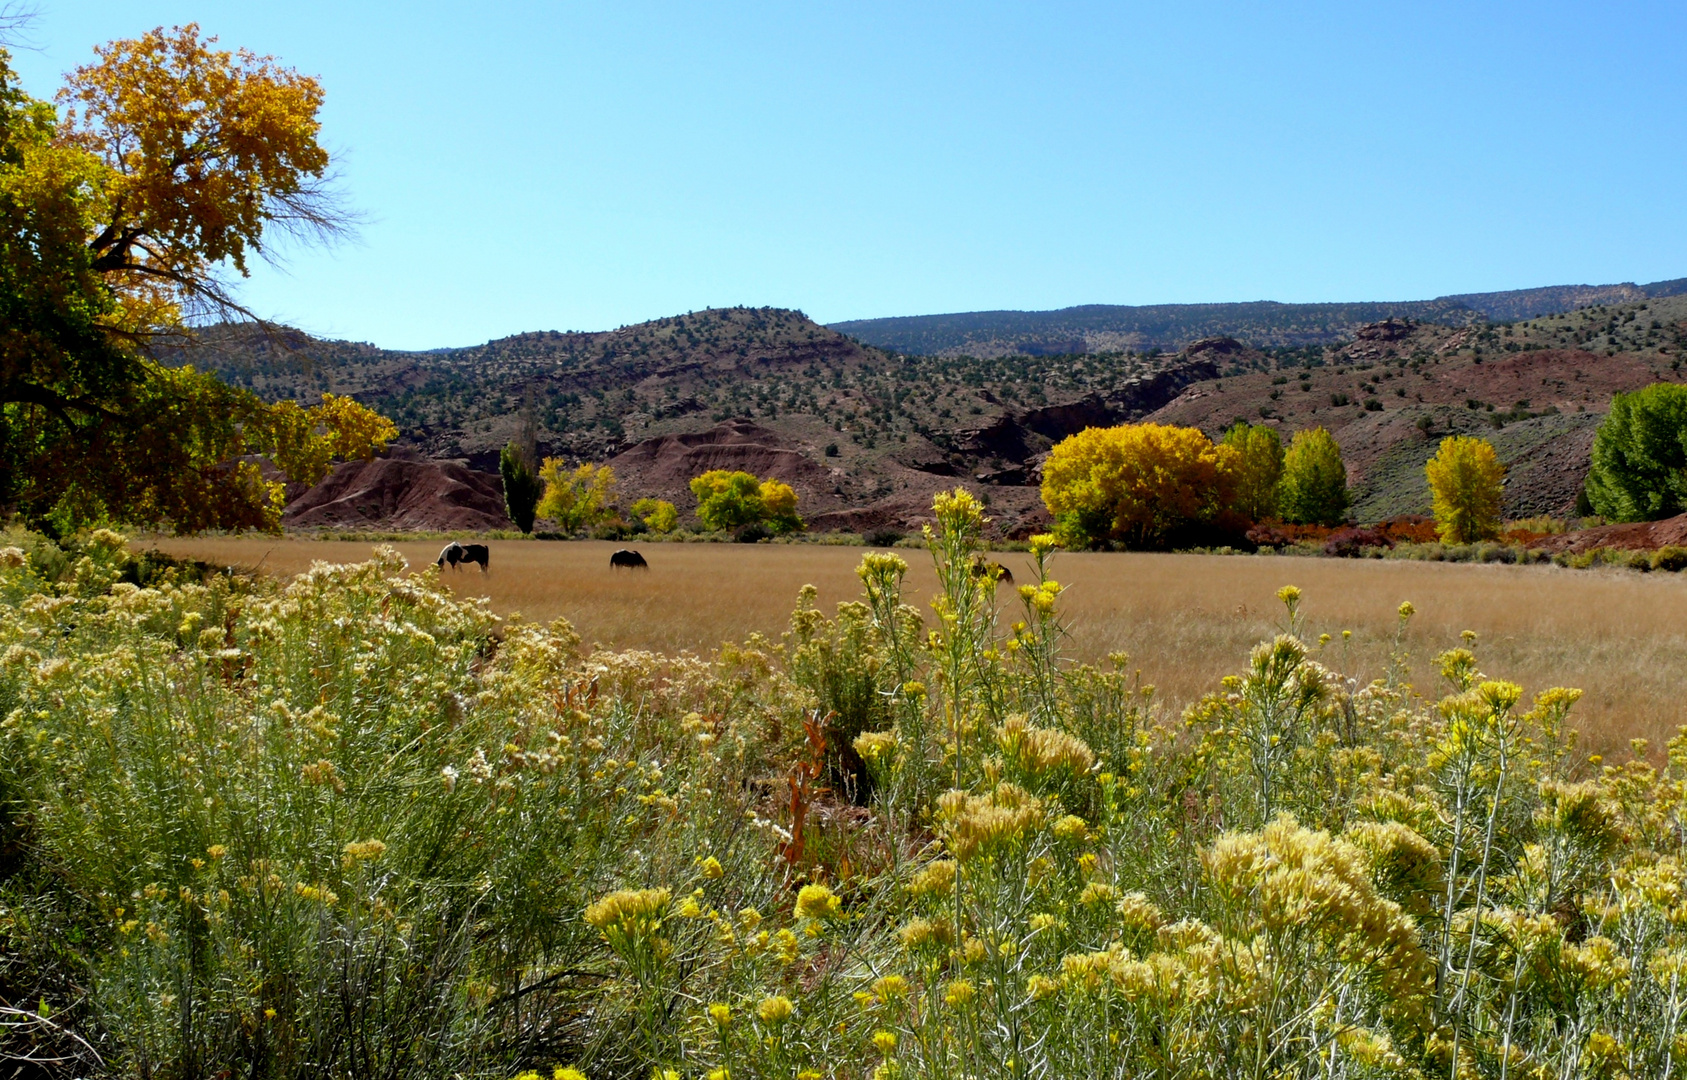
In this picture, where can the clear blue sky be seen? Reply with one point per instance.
(535, 165)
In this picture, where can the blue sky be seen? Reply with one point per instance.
(528, 166)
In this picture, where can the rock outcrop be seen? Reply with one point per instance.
(401, 493)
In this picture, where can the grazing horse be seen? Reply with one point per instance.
(456, 554)
(629, 558)
(982, 566)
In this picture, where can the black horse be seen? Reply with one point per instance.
(629, 558)
(456, 554)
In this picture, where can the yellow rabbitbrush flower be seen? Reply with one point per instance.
(1301, 884)
(775, 1010)
(876, 746)
(934, 879)
(631, 911)
(959, 993)
(985, 824)
(1042, 751)
(817, 902)
(362, 851)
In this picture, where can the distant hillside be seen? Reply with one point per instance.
(866, 436)
(1169, 327)
(1537, 389)
(738, 387)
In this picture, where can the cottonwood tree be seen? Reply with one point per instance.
(1466, 484)
(1140, 485)
(167, 166)
(1259, 468)
(1313, 490)
(730, 499)
(1639, 470)
(576, 498)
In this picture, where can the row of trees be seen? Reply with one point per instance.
(585, 496)
(126, 209)
(1154, 485)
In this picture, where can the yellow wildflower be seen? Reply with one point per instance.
(711, 867)
(885, 1041)
(875, 746)
(935, 878)
(720, 1013)
(890, 988)
(1040, 987)
(818, 902)
(362, 850)
(775, 1010)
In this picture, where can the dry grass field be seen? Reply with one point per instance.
(1185, 620)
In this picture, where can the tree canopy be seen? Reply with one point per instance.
(1259, 467)
(577, 498)
(1639, 468)
(1139, 485)
(1313, 490)
(171, 164)
(1466, 483)
(729, 499)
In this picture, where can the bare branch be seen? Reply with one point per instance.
(18, 1021)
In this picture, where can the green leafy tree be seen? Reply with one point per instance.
(658, 515)
(1466, 483)
(577, 498)
(1258, 468)
(521, 486)
(727, 499)
(1313, 490)
(1639, 468)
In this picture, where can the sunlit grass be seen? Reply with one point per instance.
(1183, 619)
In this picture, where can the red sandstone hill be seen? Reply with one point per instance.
(401, 493)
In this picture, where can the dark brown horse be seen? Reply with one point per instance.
(629, 558)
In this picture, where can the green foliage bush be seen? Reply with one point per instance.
(521, 486)
(350, 826)
(1639, 470)
(1259, 469)
(1314, 485)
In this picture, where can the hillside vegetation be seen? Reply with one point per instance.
(1170, 327)
(867, 436)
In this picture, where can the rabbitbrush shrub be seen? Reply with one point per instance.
(349, 826)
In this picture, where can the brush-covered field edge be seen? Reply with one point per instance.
(350, 826)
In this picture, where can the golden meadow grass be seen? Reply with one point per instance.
(346, 826)
(1183, 619)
